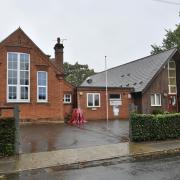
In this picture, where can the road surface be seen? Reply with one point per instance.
(159, 169)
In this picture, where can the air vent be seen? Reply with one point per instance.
(89, 80)
(128, 74)
(122, 75)
(134, 84)
(140, 82)
(127, 85)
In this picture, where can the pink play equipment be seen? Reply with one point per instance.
(77, 117)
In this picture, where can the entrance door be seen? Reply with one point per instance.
(172, 106)
(116, 110)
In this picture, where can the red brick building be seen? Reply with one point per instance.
(30, 78)
(150, 83)
(36, 82)
(93, 102)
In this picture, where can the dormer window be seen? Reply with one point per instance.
(18, 65)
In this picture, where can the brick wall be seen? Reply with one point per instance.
(34, 111)
(99, 113)
(68, 89)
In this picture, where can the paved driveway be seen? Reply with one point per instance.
(48, 137)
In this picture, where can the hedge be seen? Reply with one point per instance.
(7, 136)
(146, 127)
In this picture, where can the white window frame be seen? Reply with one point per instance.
(93, 94)
(65, 98)
(42, 100)
(169, 77)
(155, 99)
(18, 86)
(170, 89)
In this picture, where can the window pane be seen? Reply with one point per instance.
(18, 75)
(12, 77)
(24, 78)
(67, 98)
(172, 73)
(42, 93)
(172, 64)
(114, 96)
(173, 89)
(12, 61)
(90, 99)
(24, 92)
(12, 65)
(24, 62)
(12, 73)
(172, 81)
(12, 81)
(96, 99)
(152, 99)
(158, 99)
(12, 56)
(12, 92)
(42, 78)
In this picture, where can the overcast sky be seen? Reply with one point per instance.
(121, 30)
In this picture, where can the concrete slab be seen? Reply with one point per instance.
(83, 157)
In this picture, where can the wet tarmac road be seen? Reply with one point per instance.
(48, 137)
(160, 169)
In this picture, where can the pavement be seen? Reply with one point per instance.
(51, 137)
(150, 169)
(89, 156)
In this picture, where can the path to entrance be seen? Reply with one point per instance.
(49, 137)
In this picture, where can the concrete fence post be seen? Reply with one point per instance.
(17, 131)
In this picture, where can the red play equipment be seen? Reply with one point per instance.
(77, 117)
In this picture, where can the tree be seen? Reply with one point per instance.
(77, 73)
(172, 39)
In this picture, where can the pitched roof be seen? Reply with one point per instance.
(136, 74)
(20, 31)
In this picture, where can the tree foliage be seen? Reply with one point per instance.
(77, 73)
(172, 39)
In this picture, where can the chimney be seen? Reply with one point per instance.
(59, 55)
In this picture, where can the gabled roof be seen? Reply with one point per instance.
(136, 74)
(46, 57)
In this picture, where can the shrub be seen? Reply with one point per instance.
(147, 127)
(157, 111)
(67, 117)
(7, 136)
